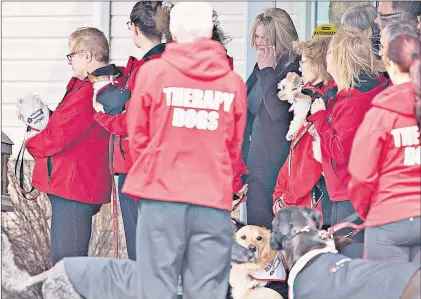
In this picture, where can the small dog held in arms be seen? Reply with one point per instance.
(317, 270)
(248, 280)
(290, 89)
(56, 283)
(33, 112)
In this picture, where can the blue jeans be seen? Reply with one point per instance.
(128, 208)
(71, 227)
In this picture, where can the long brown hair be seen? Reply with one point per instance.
(404, 51)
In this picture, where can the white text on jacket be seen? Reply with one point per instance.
(197, 108)
(409, 137)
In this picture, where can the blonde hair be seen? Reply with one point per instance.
(92, 40)
(315, 51)
(352, 55)
(279, 31)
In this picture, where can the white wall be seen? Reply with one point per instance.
(34, 45)
(231, 16)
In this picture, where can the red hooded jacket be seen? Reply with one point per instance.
(186, 123)
(71, 153)
(336, 127)
(117, 124)
(385, 184)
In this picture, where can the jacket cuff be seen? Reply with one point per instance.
(322, 114)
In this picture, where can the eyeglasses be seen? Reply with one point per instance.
(70, 56)
(129, 25)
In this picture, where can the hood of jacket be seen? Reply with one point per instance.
(202, 59)
(397, 98)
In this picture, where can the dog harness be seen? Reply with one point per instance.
(302, 262)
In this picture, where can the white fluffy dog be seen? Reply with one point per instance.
(33, 112)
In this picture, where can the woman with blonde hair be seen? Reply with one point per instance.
(350, 63)
(265, 147)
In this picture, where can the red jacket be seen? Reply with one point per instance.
(336, 127)
(117, 124)
(300, 172)
(186, 123)
(385, 184)
(71, 153)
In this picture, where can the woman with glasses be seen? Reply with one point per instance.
(148, 24)
(300, 181)
(71, 153)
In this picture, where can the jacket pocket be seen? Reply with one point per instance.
(49, 168)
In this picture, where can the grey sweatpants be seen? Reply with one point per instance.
(399, 241)
(181, 239)
(173, 239)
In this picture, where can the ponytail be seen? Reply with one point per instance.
(163, 20)
(415, 73)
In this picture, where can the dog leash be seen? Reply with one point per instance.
(342, 225)
(114, 200)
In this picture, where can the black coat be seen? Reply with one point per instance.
(265, 147)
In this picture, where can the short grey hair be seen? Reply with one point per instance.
(191, 20)
(398, 28)
(361, 17)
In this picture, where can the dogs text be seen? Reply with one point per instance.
(191, 106)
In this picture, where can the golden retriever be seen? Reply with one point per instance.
(256, 239)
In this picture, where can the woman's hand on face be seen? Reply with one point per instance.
(318, 105)
(267, 58)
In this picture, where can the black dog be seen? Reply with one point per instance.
(318, 271)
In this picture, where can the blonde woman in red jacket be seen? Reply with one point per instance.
(385, 187)
(350, 63)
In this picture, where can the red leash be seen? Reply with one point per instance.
(114, 200)
(340, 226)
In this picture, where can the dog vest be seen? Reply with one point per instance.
(325, 274)
(272, 271)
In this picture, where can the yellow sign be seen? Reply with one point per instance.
(324, 30)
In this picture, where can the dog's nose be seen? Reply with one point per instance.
(252, 248)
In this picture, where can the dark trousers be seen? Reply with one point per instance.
(128, 208)
(398, 241)
(259, 201)
(176, 239)
(341, 210)
(71, 227)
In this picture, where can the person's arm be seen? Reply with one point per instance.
(268, 81)
(240, 116)
(336, 138)
(366, 150)
(115, 124)
(281, 181)
(138, 117)
(310, 173)
(65, 125)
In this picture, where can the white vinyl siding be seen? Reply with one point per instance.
(34, 45)
(231, 17)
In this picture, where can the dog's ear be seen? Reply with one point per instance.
(315, 216)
